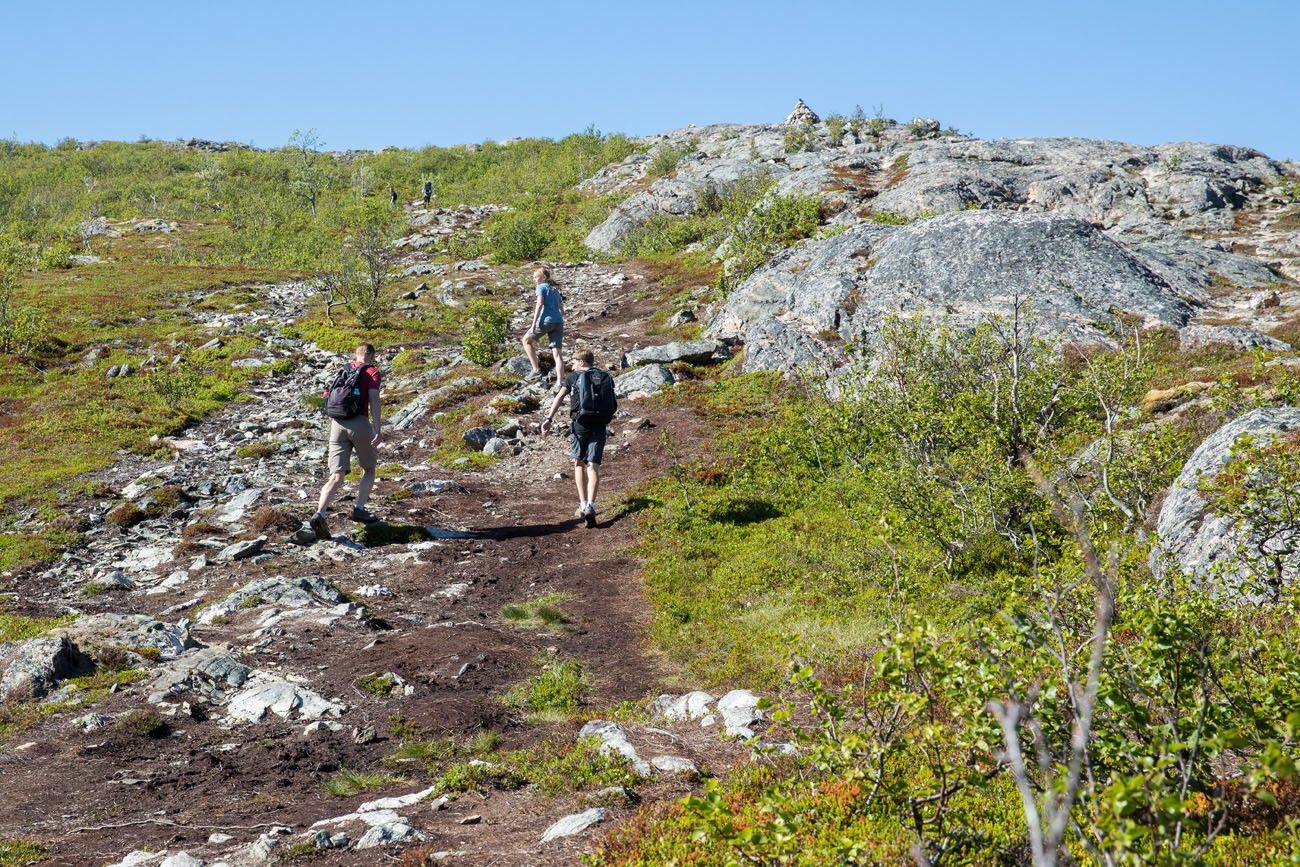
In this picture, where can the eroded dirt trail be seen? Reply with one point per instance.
(427, 609)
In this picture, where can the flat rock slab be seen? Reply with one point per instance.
(690, 352)
(1233, 336)
(132, 632)
(613, 741)
(305, 592)
(574, 824)
(266, 693)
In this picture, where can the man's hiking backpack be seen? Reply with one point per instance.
(593, 397)
(344, 398)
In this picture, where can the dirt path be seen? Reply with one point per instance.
(501, 536)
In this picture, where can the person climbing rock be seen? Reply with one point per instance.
(548, 319)
(592, 405)
(428, 192)
(352, 407)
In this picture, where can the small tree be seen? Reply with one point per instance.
(485, 334)
(308, 174)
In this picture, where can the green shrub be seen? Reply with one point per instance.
(56, 255)
(19, 853)
(378, 685)
(778, 222)
(553, 693)
(141, 723)
(799, 137)
(544, 612)
(553, 768)
(517, 236)
(835, 125)
(348, 782)
(486, 330)
(667, 157)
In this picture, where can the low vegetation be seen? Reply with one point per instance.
(554, 693)
(347, 782)
(543, 613)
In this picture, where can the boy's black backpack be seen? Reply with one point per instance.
(343, 400)
(593, 397)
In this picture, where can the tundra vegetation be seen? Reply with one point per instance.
(954, 606)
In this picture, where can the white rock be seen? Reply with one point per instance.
(396, 803)
(574, 824)
(613, 739)
(265, 693)
(391, 832)
(692, 705)
(739, 709)
(218, 839)
(139, 857)
(674, 765)
(182, 859)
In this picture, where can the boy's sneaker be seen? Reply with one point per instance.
(361, 516)
(581, 511)
(319, 526)
(590, 514)
(534, 376)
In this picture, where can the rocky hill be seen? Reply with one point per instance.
(201, 681)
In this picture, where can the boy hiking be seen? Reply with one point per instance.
(548, 319)
(592, 405)
(352, 406)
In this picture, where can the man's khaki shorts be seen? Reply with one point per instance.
(348, 435)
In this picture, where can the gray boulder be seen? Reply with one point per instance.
(1232, 336)
(241, 550)
(958, 269)
(305, 592)
(32, 668)
(1198, 541)
(650, 379)
(691, 352)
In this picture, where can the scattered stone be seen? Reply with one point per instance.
(390, 832)
(680, 318)
(471, 820)
(431, 486)
(241, 550)
(362, 735)
(692, 705)
(1159, 400)
(214, 343)
(92, 721)
(574, 824)
(249, 362)
(265, 693)
(320, 727)
(478, 437)
(372, 591)
(219, 839)
(294, 593)
(239, 505)
(496, 447)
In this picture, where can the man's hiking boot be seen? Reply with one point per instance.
(590, 514)
(361, 516)
(319, 526)
(534, 376)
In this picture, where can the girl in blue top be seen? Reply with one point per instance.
(548, 319)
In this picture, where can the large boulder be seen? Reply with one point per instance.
(650, 379)
(1204, 544)
(31, 669)
(958, 269)
(689, 351)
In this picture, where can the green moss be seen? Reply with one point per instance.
(554, 769)
(16, 627)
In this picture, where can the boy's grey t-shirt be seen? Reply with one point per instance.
(551, 301)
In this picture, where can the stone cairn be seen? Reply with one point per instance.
(802, 114)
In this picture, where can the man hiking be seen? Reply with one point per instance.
(548, 319)
(592, 405)
(352, 407)
(427, 191)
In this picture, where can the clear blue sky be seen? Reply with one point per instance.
(367, 75)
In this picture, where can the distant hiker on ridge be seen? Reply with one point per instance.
(392, 196)
(352, 406)
(592, 405)
(428, 192)
(548, 319)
